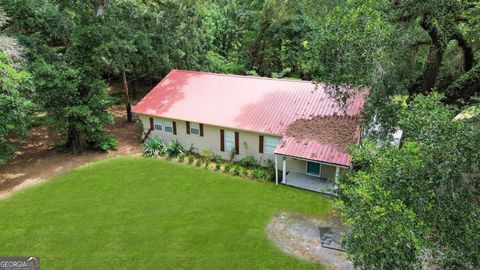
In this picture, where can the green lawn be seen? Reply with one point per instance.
(135, 213)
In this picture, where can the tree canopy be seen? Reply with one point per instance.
(15, 90)
(417, 205)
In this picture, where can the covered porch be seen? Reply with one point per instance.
(307, 174)
(308, 182)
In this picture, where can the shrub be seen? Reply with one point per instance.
(249, 161)
(236, 169)
(207, 163)
(106, 142)
(270, 170)
(198, 162)
(208, 155)
(174, 148)
(191, 158)
(218, 158)
(154, 147)
(218, 165)
(243, 171)
(260, 173)
(182, 156)
(270, 164)
(270, 175)
(228, 166)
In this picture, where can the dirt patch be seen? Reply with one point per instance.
(36, 159)
(299, 236)
(341, 131)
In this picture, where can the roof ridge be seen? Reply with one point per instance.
(248, 76)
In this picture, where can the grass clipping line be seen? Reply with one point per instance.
(340, 131)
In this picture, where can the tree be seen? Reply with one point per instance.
(124, 41)
(67, 87)
(9, 45)
(15, 88)
(443, 22)
(277, 38)
(418, 205)
(134, 40)
(78, 111)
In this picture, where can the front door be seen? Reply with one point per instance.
(313, 168)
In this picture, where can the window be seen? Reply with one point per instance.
(158, 124)
(195, 128)
(270, 143)
(313, 168)
(168, 125)
(229, 141)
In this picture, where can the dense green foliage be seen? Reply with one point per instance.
(15, 88)
(417, 206)
(79, 110)
(396, 47)
(136, 213)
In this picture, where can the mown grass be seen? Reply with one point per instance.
(136, 213)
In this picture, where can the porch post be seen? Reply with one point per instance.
(276, 170)
(284, 172)
(337, 172)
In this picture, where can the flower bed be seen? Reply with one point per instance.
(247, 167)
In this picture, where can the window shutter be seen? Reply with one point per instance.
(201, 130)
(260, 144)
(237, 143)
(151, 123)
(222, 140)
(174, 127)
(188, 127)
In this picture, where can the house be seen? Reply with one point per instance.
(292, 122)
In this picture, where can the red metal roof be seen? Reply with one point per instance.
(313, 150)
(257, 104)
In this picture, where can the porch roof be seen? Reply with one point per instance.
(313, 150)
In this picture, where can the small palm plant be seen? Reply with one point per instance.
(174, 148)
(154, 147)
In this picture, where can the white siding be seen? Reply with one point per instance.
(248, 144)
(248, 141)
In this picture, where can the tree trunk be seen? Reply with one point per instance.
(426, 82)
(432, 66)
(434, 57)
(468, 54)
(75, 141)
(127, 98)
